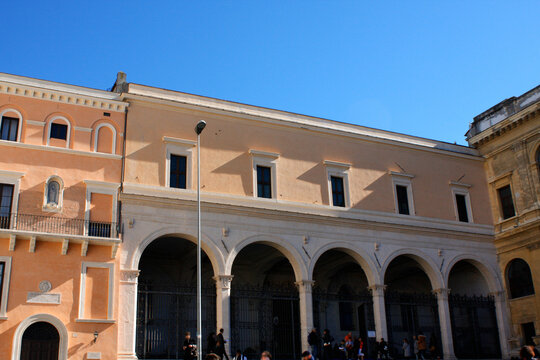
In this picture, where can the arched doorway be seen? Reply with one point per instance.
(342, 302)
(411, 307)
(264, 303)
(167, 298)
(472, 312)
(40, 341)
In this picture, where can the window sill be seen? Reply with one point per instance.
(3, 318)
(96, 321)
(51, 209)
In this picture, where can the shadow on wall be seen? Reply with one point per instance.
(243, 161)
(317, 175)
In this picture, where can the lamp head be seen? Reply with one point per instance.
(200, 127)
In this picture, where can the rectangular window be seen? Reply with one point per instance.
(6, 199)
(178, 172)
(59, 131)
(10, 127)
(507, 204)
(338, 195)
(402, 200)
(461, 203)
(264, 182)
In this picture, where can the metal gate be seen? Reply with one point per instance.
(474, 327)
(165, 313)
(329, 307)
(265, 318)
(407, 315)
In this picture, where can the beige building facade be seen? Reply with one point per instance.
(306, 223)
(508, 136)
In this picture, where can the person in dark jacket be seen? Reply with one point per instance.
(190, 348)
(382, 349)
(220, 345)
(314, 341)
(327, 345)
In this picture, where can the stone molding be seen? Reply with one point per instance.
(442, 293)
(223, 282)
(129, 275)
(304, 285)
(377, 289)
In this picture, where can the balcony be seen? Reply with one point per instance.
(58, 225)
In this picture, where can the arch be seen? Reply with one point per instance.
(63, 119)
(295, 259)
(47, 205)
(358, 254)
(96, 136)
(526, 286)
(207, 245)
(490, 275)
(59, 325)
(19, 115)
(425, 262)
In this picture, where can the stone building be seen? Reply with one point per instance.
(60, 170)
(306, 223)
(508, 136)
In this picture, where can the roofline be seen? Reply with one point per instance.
(57, 86)
(291, 117)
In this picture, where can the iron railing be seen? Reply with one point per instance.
(58, 225)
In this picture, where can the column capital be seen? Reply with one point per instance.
(498, 295)
(129, 275)
(442, 293)
(377, 289)
(223, 281)
(304, 285)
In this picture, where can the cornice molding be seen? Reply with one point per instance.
(61, 93)
(168, 197)
(283, 118)
(59, 150)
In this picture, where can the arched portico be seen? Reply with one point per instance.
(426, 263)
(480, 294)
(54, 321)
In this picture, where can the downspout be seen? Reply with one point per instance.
(120, 224)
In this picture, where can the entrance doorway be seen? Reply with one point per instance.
(40, 341)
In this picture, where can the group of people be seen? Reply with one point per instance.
(419, 348)
(347, 349)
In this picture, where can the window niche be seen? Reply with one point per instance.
(59, 132)
(53, 194)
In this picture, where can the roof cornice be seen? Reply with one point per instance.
(62, 93)
(173, 98)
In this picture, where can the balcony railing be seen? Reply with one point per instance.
(58, 225)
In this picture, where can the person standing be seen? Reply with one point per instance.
(239, 356)
(406, 349)
(190, 348)
(382, 349)
(220, 345)
(314, 341)
(327, 345)
(265, 355)
(415, 346)
(422, 346)
(360, 349)
(349, 346)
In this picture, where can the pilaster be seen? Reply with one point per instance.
(305, 289)
(223, 307)
(379, 310)
(127, 314)
(445, 322)
(501, 311)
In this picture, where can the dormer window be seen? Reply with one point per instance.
(53, 194)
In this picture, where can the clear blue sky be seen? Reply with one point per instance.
(421, 68)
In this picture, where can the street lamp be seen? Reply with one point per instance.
(198, 129)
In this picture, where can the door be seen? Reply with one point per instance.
(40, 342)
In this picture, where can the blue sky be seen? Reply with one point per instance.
(423, 68)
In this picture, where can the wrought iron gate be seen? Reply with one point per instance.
(408, 314)
(265, 318)
(331, 306)
(474, 327)
(165, 313)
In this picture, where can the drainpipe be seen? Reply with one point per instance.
(121, 190)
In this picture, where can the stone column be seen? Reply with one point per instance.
(445, 323)
(223, 308)
(501, 312)
(379, 310)
(127, 314)
(306, 311)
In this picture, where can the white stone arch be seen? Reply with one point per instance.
(207, 245)
(96, 136)
(426, 263)
(358, 254)
(59, 325)
(19, 115)
(284, 247)
(488, 272)
(49, 125)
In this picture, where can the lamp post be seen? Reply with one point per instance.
(198, 129)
